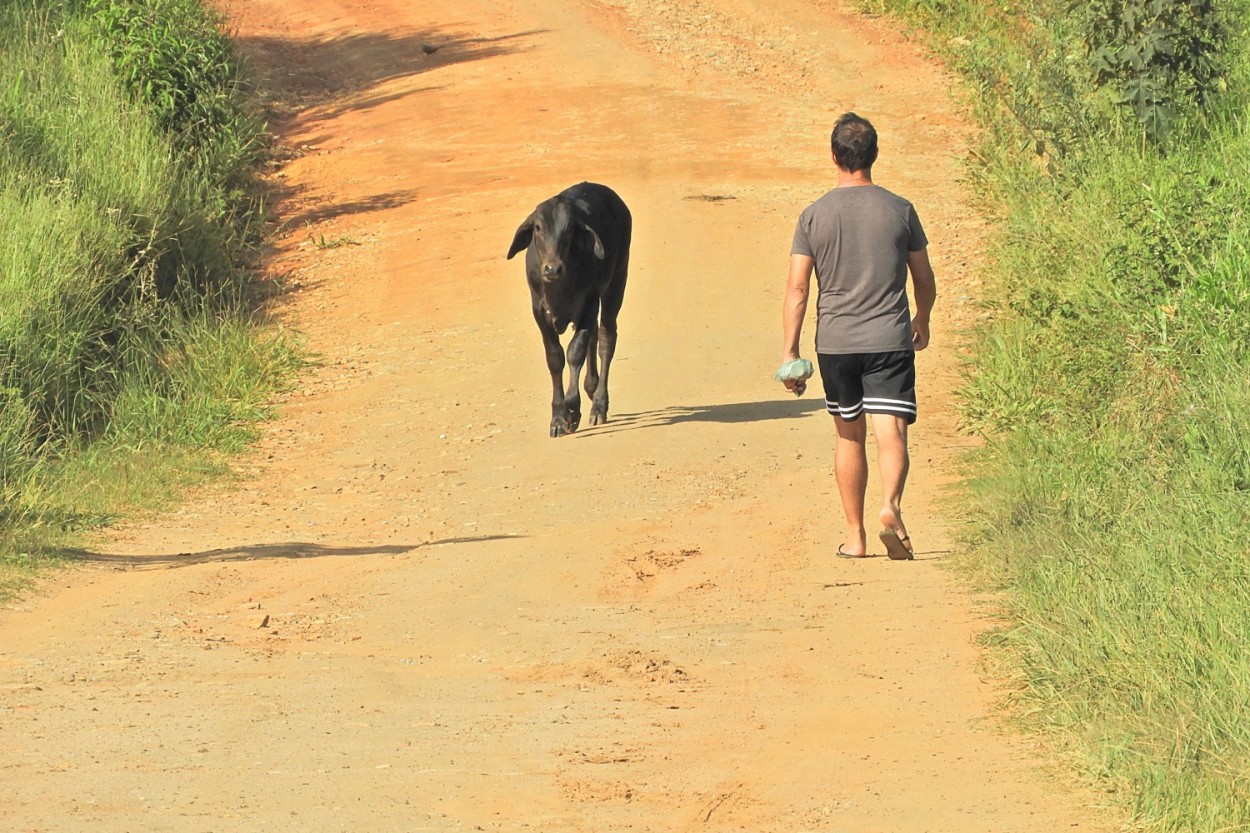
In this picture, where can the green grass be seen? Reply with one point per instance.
(1111, 503)
(131, 361)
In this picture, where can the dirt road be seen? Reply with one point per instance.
(419, 612)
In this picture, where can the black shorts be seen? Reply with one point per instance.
(879, 383)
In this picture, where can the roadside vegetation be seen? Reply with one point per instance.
(1111, 505)
(131, 360)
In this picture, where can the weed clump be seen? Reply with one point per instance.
(129, 214)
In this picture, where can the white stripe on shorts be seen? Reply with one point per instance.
(846, 413)
(899, 406)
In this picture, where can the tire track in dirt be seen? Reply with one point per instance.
(419, 613)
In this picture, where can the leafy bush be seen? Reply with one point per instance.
(174, 54)
(1157, 55)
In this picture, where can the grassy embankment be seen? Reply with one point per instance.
(130, 358)
(1112, 503)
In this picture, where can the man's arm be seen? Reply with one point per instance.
(924, 287)
(794, 308)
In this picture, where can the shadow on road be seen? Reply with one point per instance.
(310, 81)
(338, 70)
(262, 552)
(729, 414)
(318, 213)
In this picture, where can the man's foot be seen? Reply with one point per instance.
(898, 548)
(892, 518)
(842, 553)
(894, 536)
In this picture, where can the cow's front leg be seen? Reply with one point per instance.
(577, 357)
(555, 364)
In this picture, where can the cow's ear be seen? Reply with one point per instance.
(524, 234)
(596, 243)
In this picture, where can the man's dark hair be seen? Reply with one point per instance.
(854, 142)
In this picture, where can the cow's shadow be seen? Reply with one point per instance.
(728, 414)
(262, 552)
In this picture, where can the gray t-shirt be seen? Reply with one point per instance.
(859, 237)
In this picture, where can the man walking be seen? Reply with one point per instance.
(863, 241)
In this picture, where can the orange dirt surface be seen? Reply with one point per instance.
(418, 612)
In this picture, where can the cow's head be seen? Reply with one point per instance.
(552, 231)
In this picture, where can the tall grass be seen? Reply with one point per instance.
(1112, 502)
(126, 232)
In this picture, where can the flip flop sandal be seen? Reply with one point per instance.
(895, 546)
(843, 554)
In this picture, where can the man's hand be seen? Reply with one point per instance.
(919, 335)
(925, 294)
(794, 373)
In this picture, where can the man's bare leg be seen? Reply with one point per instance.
(893, 462)
(850, 467)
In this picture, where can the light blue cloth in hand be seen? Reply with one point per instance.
(798, 370)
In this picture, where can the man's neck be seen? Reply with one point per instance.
(851, 179)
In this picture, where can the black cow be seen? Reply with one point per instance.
(576, 260)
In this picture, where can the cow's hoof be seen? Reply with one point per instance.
(598, 418)
(560, 427)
